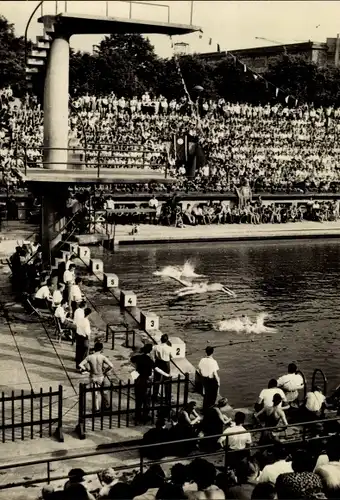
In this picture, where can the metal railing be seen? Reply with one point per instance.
(142, 448)
(97, 158)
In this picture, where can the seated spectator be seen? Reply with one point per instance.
(302, 483)
(153, 436)
(147, 485)
(42, 296)
(330, 478)
(314, 405)
(247, 473)
(189, 420)
(272, 417)
(121, 491)
(236, 437)
(271, 472)
(108, 478)
(291, 383)
(61, 314)
(264, 491)
(75, 476)
(77, 491)
(265, 398)
(213, 423)
(202, 473)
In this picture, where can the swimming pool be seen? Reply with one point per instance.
(295, 283)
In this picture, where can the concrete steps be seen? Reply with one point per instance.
(38, 54)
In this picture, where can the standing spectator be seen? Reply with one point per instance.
(208, 370)
(163, 355)
(98, 365)
(83, 335)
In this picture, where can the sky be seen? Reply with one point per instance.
(231, 24)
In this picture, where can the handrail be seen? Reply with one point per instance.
(318, 370)
(142, 447)
(304, 383)
(27, 26)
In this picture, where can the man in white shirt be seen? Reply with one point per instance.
(69, 275)
(153, 202)
(43, 295)
(83, 335)
(109, 203)
(79, 313)
(75, 295)
(69, 262)
(163, 355)
(238, 441)
(208, 370)
(271, 472)
(61, 314)
(58, 294)
(291, 383)
(265, 398)
(314, 404)
(98, 365)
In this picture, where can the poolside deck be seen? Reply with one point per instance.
(226, 232)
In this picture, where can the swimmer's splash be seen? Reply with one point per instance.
(244, 324)
(185, 271)
(185, 276)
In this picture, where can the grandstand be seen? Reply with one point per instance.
(277, 148)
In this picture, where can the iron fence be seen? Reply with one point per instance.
(30, 414)
(109, 405)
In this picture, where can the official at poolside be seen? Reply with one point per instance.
(83, 335)
(163, 355)
(208, 369)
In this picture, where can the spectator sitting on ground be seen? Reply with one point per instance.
(265, 398)
(291, 383)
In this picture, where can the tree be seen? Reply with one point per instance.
(12, 58)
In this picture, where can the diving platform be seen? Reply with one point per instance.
(92, 176)
(82, 24)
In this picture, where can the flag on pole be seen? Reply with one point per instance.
(276, 92)
(287, 99)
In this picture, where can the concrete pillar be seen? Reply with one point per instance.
(47, 228)
(56, 104)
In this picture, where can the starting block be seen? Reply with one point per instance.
(128, 299)
(84, 253)
(149, 321)
(111, 280)
(178, 347)
(97, 265)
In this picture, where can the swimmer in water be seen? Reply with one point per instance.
(246, 323)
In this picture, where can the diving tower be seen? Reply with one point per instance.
(53, 50)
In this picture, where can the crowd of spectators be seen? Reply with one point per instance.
(276, 147)
(266, 468)
(312, 472)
